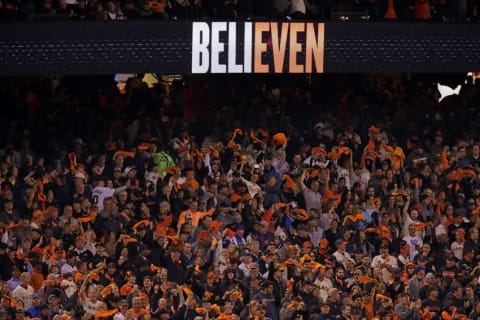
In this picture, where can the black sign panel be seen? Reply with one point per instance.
(407, 47)
(45, 48)
(95, 48)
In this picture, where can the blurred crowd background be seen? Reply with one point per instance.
(240, 197)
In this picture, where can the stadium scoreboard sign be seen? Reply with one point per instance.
(235, 47)
(268, 47)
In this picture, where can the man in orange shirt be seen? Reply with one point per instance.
(136, 311)
(193, 213)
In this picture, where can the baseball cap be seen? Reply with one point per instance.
(128, 169)
(419, 268)
(79, 175)
(224, 205)
(53, 276)
(51, 295)
(239, 227)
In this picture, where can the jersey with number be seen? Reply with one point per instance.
(100, 193)
(24, 294)
(90, 307)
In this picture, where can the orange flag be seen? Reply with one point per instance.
(317, 266)
(354, 217)
(213, 152)
(126, 154)
(187, 290)
(145, 146)
(365, 279)
(92, 215)
(106, 291)
(303, 213)
(174, 240)
(419, 226)
(279, 138)
(154, 268)
(215, 226)
(287, 262)
(290, 183)
(229, 233)
(203, 236)
(267, 216)
(141, 223)
(94, 276)
(254, 138)
(282, 205)
(105, 314)
(127, 239)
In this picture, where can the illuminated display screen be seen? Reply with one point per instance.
(236, 47)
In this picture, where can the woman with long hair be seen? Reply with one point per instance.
(360, 242)
(230, 281)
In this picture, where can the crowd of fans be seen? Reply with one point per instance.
(324, 10)
(239, 198)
